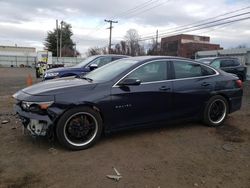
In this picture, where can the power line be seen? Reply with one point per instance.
(139, 6)
(218, 24)
(145, 10)
(195, 26)
(200, 21)
(130, 11)
(213, 21)
(214, 28)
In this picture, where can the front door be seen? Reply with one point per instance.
(151, 101)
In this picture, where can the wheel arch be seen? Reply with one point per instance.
(83, 104)
(227, 99)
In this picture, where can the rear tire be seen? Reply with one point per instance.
(216, 111)
(79, 128)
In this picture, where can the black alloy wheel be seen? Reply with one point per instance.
(79, 128)
(216, 111)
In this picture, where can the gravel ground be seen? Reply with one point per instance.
(179, 155)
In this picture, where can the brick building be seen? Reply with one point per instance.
(186, 45)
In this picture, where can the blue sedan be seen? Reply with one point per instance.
(82, 68)
(130, 92)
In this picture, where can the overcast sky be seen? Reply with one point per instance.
(26, 22)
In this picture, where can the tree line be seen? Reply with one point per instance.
(129, 46)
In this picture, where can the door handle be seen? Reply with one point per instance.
(205, 84)
(164, 88)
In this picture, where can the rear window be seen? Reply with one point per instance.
(188, 70)
(229, 62)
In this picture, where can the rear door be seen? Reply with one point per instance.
(192, 86)
(150, 101)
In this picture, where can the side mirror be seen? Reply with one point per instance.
(130, 82)
(93, 66)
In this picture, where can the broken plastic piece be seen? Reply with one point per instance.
(5, 121)
(114, 177)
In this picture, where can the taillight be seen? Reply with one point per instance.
(239, 83)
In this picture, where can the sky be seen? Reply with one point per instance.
(26, 22)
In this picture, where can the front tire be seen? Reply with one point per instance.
(79, 128)
(215, 111)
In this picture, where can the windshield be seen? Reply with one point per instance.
(111, 70)
(205, 60)
(85, 62)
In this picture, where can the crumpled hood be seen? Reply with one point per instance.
(57, 86)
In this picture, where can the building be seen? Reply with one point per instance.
(17, 56)
(17, 49)
(184, 45)
(243, 54)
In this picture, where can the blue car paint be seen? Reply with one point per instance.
(133, 106)
(76, 70)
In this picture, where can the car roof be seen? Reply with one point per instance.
(112, 55)
(221, 57)
(147, 58)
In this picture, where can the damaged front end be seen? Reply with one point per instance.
(35, 115)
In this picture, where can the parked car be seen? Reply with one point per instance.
(82, 68)
(130, 92)
(227, 64)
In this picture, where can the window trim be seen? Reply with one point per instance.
(171, 67)
(153, 61)
(173, 74)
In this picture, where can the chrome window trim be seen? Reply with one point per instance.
(138, 68)
(216, 72)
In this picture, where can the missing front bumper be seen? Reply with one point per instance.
(37, 125)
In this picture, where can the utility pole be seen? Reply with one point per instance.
(156, 40)
(61, 39)
(57, 40)
(75, 53)
(110, 32)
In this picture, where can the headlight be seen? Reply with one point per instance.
(51, 74)
(34, 106)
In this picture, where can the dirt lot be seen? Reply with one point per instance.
(182, 155)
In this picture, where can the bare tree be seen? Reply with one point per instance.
(94, 51)
(153, 48)
(97, 51)
(117, 49)
(123, 47)
(132, 38)
(129, 46)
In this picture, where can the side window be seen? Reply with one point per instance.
(216, 64)
(184, 69)
(102, 61)
(227, 63)
(236, 62)
(155, 71)
(206, 71)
